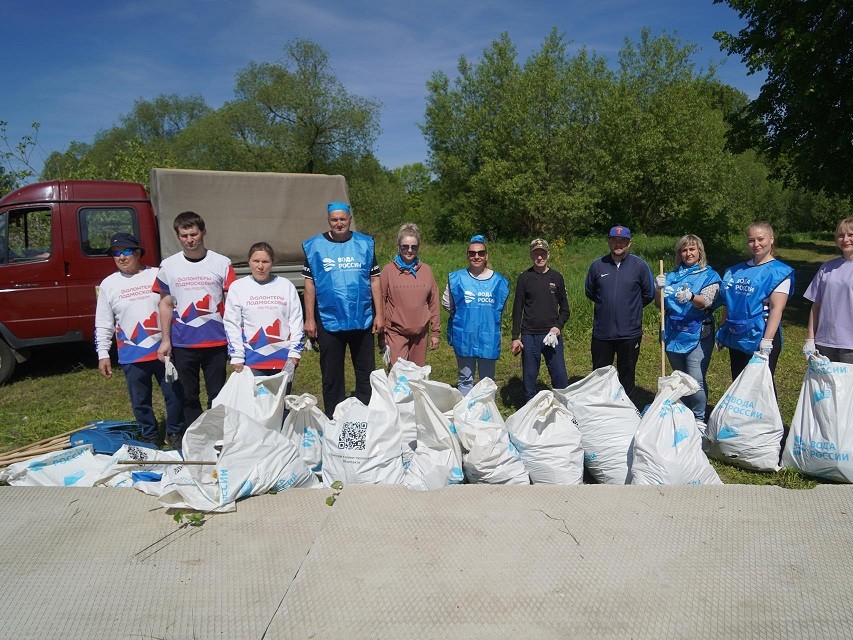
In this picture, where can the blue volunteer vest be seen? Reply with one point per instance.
(474, 329)
(341, 273)
(744, 290)
(683, 326)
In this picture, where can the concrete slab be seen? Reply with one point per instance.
(468, 562)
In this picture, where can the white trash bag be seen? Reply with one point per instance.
(607, 420)
(820, 442)
(74, 467)
(253, 460)
(402, 373)
(488, 455)
(437, 460)
(259, 397)
(304, 427)
(545, 433)
(668, 443)
(143, 477)
(362, 444)
(745, 427)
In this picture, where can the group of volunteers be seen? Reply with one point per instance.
(192, 313)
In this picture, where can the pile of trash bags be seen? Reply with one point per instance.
(424, 435)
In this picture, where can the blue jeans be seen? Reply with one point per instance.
(531, 355)
(467, 366)
(695, 364)
(138, 377)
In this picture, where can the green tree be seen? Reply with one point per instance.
(298, 111)
(801, 118)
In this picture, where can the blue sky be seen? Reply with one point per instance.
(77, 66)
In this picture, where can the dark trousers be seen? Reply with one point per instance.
(626, 353)
(531, 356)
(138, 376)
(739, 359)
(191, 363)
(333, 348)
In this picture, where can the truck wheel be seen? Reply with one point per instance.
(7, 362)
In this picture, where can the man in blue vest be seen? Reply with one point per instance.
(343, 304)
(620, 285)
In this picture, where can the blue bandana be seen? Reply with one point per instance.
(337, 206)
(477, 238)
(407, 267)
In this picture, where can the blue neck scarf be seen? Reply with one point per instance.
(407, 267)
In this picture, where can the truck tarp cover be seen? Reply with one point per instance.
(240, 209)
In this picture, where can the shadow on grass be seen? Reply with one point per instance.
(57, 360)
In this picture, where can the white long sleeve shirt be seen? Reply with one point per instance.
(128, 309)
(263, 322)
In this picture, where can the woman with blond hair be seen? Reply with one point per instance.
(755, 293)
(410, 301)
(688, 292)
(830, 328)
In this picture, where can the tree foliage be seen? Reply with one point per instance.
(562, 144)
(802, 118)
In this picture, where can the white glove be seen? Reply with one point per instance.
(683, 295)
(550, 340)
(809, 348)
(766, 346)
(309, 346)
(660, 281)
(386, 355)
(171, 373)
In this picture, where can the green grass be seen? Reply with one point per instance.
(60, 388)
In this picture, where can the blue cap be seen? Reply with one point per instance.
(337, 206)
(620, 232)
(477, 238)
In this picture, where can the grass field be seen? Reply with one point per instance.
(60, 388)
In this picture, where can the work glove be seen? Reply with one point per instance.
(766, 347)
(309, 346)
(171, 373)
(550, 340)
(386, 355)
(683, 295)
(809, 348)
(660, 282)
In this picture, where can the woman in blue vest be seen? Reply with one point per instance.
(755, 293)
(688, 293)
(475, 298)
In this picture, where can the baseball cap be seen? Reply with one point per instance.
(619, 232)
(539, 243)
(125, 241)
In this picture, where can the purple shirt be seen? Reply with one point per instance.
(832, 289)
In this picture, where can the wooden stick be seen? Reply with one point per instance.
(36, 451)
(662, 327)
(41, 442)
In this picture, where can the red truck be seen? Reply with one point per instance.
(54, 238)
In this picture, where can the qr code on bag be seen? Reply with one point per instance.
(353, 436)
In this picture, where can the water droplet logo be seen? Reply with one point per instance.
(470, 296)
(328, 264)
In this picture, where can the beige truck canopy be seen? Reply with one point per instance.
(242, 208)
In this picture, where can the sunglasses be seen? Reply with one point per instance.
(409, 247)
(122, 252)
(478, 254)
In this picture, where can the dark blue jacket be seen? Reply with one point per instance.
(619, 294)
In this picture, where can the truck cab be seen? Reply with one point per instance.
(54, 242)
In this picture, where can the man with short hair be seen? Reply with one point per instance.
(620, 285)
(343, 304)
(540, 310)
(192, 287)
(129, 309)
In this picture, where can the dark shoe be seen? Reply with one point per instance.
(175, 441)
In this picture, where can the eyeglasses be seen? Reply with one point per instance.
(122, 252)
(409, 247)
(478, 254)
